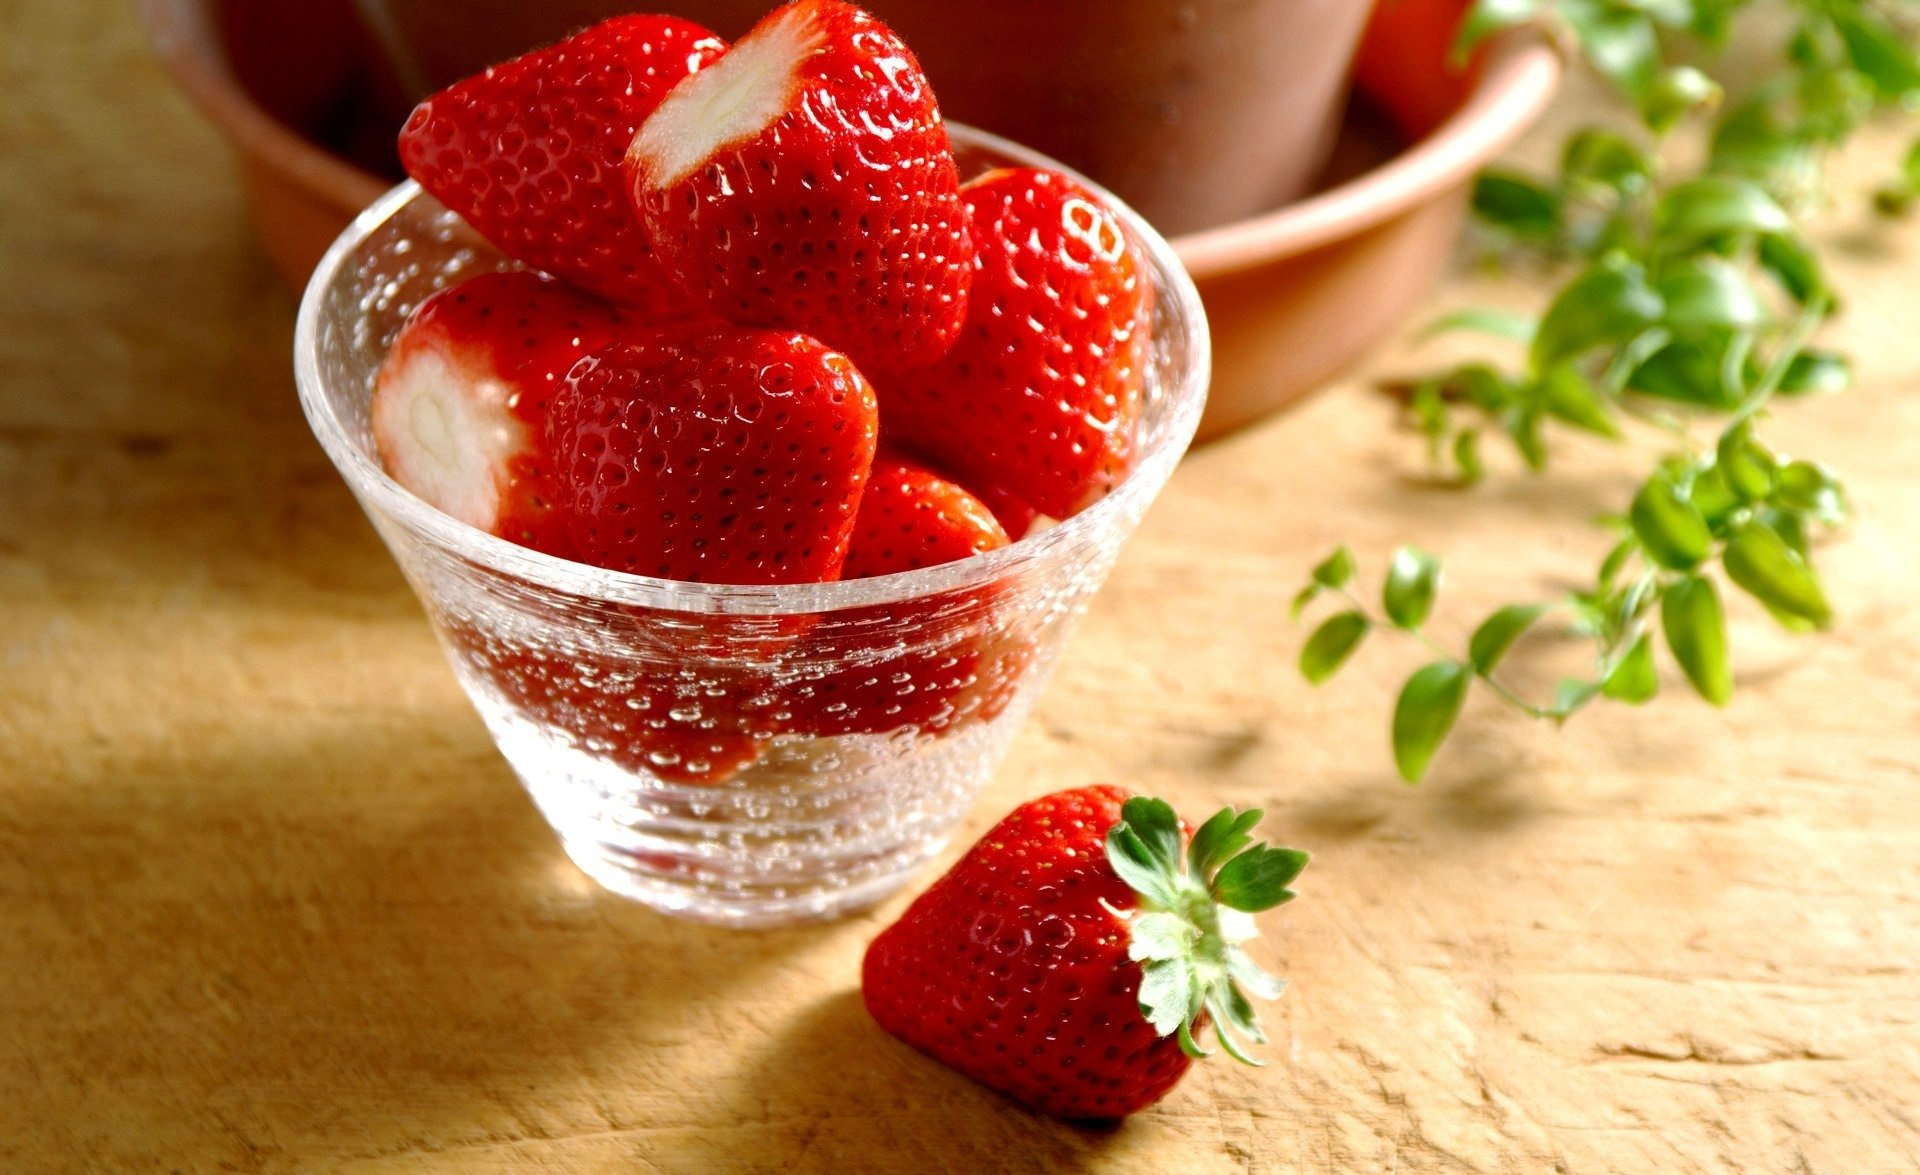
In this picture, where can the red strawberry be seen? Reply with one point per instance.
(960, 669)
(723, 456)
(1023, 966)
(911, 517)
(460, 407)
(1015, 516)
(805, 181)
(958, 660)
(529, 152)
(1040, 396)
(638, 715)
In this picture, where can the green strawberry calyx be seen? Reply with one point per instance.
(1195, 909)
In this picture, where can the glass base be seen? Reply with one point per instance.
(688, 896)
(815, 829)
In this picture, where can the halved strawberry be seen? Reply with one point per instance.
(957, 660)
(805, 181)
(1040, 397)
(911, 517)
(460, 405)
(529, 151)
(722, 456)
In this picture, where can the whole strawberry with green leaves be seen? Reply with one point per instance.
(1070, 959)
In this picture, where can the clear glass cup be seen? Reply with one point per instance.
(750, 756)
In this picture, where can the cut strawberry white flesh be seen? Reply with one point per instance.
(460, 406)
(804, 182)
(442, 419)
(740, 96)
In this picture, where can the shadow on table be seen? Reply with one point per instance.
(366, 945)
(833, 1092)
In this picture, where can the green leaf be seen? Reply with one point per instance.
(1806, 487)
(1157, 825)
(1233, 1018)
(1161, 936)
(1331, 644)
(1224, 834)
(1600, 158)
(1505, 324)
(1167, 995)
(1225, 1036)
(1568, 397)
(1139, 865)
(1336, 570)
(1482, 386)
(1618, 42)
(1878, 52)
(1609, 303)
(1674, 94)
(1669, 526)
(1715, 206)
(1524, 428)
(1696, 631)
(1248, 975)
(1412, 580)
(1517, 204)
(1571, 695)
(1429, 704)
(1751, 141)
(1466, 455)
(1834, 101)
(1794, 264)
(1817, 371)
(1302, 598)
(1744, 463)
(1707, 292)
(1686, 372)
(1257, 879)
(1497, 633)
(1488, 17)
(1616, 560)
(1771, 571)
(1633, 678)
(1714, 498)
(1672, 13)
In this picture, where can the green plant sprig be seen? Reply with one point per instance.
(1693, 298)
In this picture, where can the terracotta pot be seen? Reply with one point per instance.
(1295, 295)
(1196, 112)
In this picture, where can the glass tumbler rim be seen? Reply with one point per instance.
(1175, 298)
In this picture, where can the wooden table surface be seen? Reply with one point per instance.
(268, 898)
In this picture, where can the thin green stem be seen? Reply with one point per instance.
(1499, 688)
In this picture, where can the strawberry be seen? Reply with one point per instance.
(460, 405)
(1070, 957)
(717, 456)
(805, 181)
(1040, 396)
(529, 152)
(911, 517)
(1014, 516)
(960, 668)
(638, 715)
(954, 658)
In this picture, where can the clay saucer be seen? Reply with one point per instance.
(1294, 296)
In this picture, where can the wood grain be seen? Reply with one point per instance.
(269, 900)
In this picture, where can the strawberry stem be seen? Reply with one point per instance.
(1195, 909)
